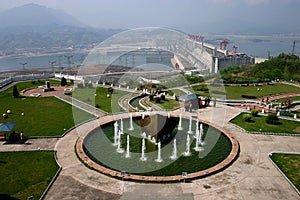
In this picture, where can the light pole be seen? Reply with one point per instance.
(23, 65)
(52, 65)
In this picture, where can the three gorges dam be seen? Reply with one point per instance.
(128, 51)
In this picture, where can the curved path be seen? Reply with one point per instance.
(251, 176)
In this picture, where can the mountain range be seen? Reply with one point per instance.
(34, 26)
(36, 15)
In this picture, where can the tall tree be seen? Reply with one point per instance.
(15, 92)
(63, 81)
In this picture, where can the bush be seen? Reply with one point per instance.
(254, 113)
(80, 85)
(170, 92)
(248, 96)
(247, 117)
(157, 99)
(163, 97)
(110, 90)
(151, 97)
(272, 119)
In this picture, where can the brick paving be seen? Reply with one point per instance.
(251, 176)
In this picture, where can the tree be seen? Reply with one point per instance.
(15, 92)
(247, 117)
(110, 90)
(272, 119)
(63, 81)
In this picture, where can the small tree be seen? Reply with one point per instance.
(247, 117)
(15, 92)
(63, 81)
(110, 90)
(254, 113)
(272, 119)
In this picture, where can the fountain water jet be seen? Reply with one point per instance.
(143, 157)
(169, 115)
(116, 126)
(187, 151)
(119, 148)
(131, 123)
(121, 126)
(143, 115)
(174, 153)
(180, 123)
(190, 126)
(159, 153)
(127, 155)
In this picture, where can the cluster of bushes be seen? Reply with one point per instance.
(270, 119)
(218, 92)
(248, 96)
(247, 118)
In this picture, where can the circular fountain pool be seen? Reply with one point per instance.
(154, 148)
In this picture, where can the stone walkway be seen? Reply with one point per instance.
(251, 176)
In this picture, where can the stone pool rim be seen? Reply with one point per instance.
(85, 159)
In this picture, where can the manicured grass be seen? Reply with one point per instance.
(35, 83)
(100, 100)
(179, 92)
(24, 174)
(168, 104)
(297, 98)
(259, 124)
(235, 92)
(44, 116)
(289, 164)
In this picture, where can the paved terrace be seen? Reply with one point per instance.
(251, 176)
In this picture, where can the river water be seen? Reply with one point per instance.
(257, 46)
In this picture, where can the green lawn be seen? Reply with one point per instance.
(235, 92)
(289, 164)
(285, 126)
(179, 92)
(26, 173)
(168, 104)
(45, 116)
(100, 100)
(293, 99)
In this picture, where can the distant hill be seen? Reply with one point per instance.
(33, 26)
(36, 15)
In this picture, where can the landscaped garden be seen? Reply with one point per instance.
(258, 124)
(25, 174)
(289, 164)
(103, 98)
(236, 92)
(44, 116)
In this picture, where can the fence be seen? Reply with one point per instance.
(24, 78)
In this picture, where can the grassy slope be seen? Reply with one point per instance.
(108, 104)
(45, 116)
(289, 165)
(26, 173)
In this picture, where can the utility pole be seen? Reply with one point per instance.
(52, 65)
(294, 46)
(69, 60)
(23, 65)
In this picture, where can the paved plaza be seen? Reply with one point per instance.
(251, 176)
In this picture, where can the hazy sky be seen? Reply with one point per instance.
(177, 13)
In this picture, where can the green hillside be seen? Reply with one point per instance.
(283, 67)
